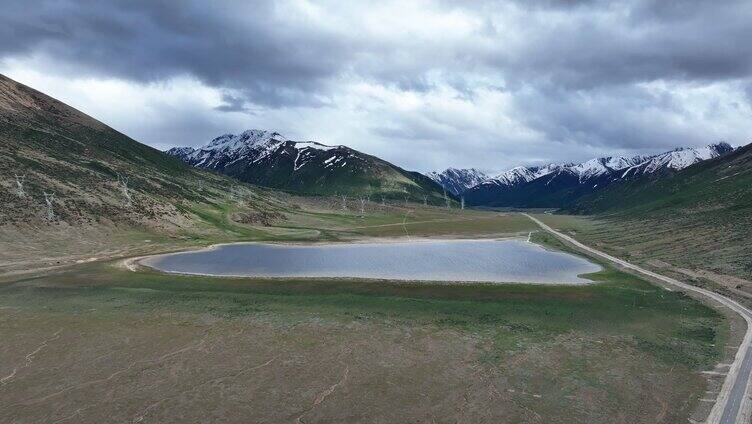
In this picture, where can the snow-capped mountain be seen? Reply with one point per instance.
(456, 181)
(267, 158)
(677, 159)
(256, 146)
(521, 174)
(549, 185)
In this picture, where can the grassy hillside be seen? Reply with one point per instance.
(721, 185)
(363, 175)
(87, 165)
(111, 193)
(697, 219)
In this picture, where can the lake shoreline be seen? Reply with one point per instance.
(316, 261)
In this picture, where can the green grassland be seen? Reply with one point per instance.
(620, 305)
(155, 343)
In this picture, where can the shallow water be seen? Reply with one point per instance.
(455, 260)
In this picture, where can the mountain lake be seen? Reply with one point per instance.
(490, 261)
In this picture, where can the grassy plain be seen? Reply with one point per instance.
(95, 342)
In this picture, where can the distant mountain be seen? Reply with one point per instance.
(456, 181)
(557, 185)
(676, 159)
(268, 159)
(720, 183)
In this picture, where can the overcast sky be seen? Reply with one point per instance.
(424, 84)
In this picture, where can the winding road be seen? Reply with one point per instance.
(733, 402)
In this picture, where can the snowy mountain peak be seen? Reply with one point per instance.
(614, 167)
(679, 158)
(267, 158)
(456, 180)
(261, 148)
(521, 174)
(316, 145)
(515, 176)
(721, 147)
(248, 138)
(621, 162)
(180, 151)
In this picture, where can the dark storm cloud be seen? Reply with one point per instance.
(232, 103)
(248, 46)
(651, 40)
(236, 45)
(620, 117)
(579, 73)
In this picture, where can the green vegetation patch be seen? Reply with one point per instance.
(667, 325)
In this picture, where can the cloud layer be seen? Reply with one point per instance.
(425, 84)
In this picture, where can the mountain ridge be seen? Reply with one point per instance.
(269, 159)
(647, 194)
(458, 180)
(555, 185)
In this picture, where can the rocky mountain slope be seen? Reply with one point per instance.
(557, 185)
(87, 171)
(268, 159)
(456, 181)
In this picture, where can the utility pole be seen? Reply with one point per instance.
(363, 201)
(20, 179)
(123, 182)
(49, 198)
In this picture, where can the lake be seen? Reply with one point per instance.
(494, 261)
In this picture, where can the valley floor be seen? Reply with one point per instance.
(95, 342)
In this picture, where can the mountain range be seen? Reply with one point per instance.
(268, 159)
(708, 186)
(457, 181)
(558, 185)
